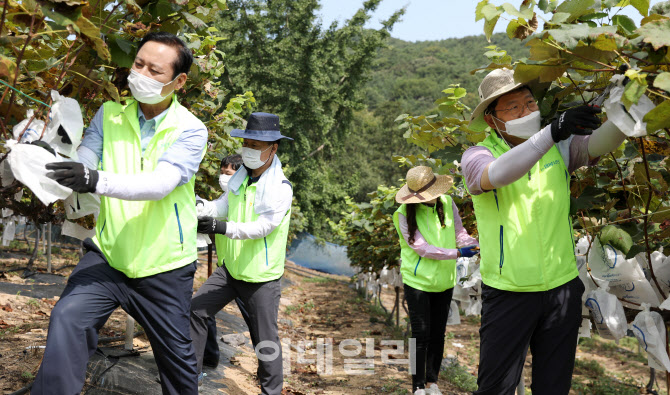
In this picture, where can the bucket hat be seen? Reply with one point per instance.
(423, 185)
(261, 126)
(495, 84)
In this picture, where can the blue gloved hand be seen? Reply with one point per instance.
(469, 251)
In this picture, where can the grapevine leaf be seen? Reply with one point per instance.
(617, 238)
(641, 5)
(576, 8)
(544, 5)
(634, 90)
(544, 73)
(662, 81)
(489, 25)
(91, 34)
(7, 68)
(658, 118)
(656, 33)
(571, 34)
(193, 20)
(626, 24)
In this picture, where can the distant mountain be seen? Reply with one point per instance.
(413, 74)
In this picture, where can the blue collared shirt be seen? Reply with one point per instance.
(185, 154)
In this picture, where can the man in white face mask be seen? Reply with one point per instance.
(251, 226)
(140, 157)
(519, 179)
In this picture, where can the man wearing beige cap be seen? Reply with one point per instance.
(519, 179)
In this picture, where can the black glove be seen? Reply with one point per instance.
(73, 175)
(580, 121)
(208, 225)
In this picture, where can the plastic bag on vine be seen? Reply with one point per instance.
(8, 232)
(66, 125)
(28, 130)
(28, 162)
(637, 292)
(628, 121)
(649, 330)
(77, 231)
(607, 313)
(609, 264)
(454, 317)
(79, 205)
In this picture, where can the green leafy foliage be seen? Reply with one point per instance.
(368, 232)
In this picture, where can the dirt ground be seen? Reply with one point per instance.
(332, 336)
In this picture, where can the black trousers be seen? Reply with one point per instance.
(261, 300)
(428, 313)
(546, 321)
(159, 303)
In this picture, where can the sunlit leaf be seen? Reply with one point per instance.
(659, 117)
(656, 33)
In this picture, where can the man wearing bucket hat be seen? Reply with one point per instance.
(140, 157)
(429, 228)
(519, 179)
(251, 227)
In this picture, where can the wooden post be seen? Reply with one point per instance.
(130, 332)
(210, 251)
(49, 247)
(397, 306)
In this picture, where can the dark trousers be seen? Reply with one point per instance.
(262, 303)
(212, 346)
(546, 321)
(428, 313)
(159, 303)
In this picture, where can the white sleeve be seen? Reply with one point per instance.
(605, 139)
(518, 161)
(265, 223)
(146, 186)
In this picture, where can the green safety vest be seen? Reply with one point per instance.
(143, 238)
(252, 260)
(525, 230)
(425, 274)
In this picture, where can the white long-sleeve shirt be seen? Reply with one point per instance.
(259, 228)
(421, 246)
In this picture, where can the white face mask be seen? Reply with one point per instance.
(252, 157)
(146, 89)
(523, 127)
(223, 181)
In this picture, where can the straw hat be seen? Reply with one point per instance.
(422, 186)
(495, 84)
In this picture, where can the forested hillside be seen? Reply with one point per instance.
(407, 77)
(414, 73)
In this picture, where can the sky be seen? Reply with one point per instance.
(429, 19)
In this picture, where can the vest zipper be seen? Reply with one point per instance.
(528, 175)
(567, 182)
(265, 239)
(181, 234)
(502, 240)
(141, 163)
(103, 227)
(417, 265)
(502, 249)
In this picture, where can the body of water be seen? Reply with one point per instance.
(325, 257)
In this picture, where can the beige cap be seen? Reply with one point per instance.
(423, 185)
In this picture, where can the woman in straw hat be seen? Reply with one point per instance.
(429, 228)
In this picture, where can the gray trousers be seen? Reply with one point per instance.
(262, 303)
